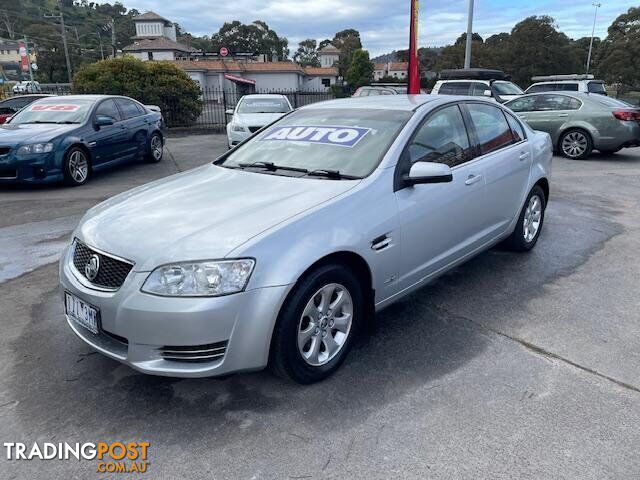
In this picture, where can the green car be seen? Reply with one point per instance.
(581, 122)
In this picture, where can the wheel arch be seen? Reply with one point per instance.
(571, 127)
(83, 147)
(544, 184)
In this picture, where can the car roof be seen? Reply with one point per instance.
(390, 102)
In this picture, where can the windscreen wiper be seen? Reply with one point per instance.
(272, 167)
(332, 174)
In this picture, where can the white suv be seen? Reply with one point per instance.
(500, 90)
(567, 83)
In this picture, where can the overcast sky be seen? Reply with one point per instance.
(383, 24)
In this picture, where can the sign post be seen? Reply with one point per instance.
(414, 69)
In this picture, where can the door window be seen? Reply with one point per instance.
(545, 103)
(108, 108)
(478, 89)
(491, 126)
(128, 108)
(566, 87)
(596, 87)
(442, 138)
(516, 128)
(524, 104)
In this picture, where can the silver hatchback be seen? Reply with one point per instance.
(280, 251)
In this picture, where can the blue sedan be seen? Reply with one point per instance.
(68, 138)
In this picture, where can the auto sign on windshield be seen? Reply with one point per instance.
(326, 135)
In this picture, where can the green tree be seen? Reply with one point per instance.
(255, 38)
(307, 53)
(618, 59)
(157, 83)
(323, 43)
(348, 42)
(361, 70)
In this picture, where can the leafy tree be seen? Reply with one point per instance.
(323, 43)
(255, 38)
(307, 53)
(361, 70)
(619, 54)
(158, 83)
(452, 56)
(348, 42)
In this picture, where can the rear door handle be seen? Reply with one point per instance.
(563, 114)
(524, 156)
(473, 179)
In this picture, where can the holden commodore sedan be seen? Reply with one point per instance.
(67, 138)
(280, 251)
(254, 112)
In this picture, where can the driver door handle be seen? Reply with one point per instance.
(473, 179)
(563, 114)
(524, 156)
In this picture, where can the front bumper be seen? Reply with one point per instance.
(138, 329)
(40, 168)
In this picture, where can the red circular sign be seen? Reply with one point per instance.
(224, 51)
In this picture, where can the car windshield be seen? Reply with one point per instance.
(54, 110)
(507, 88)
(349, 141)
(263, 105)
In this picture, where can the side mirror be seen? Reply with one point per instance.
(229, 111)
(103, 121)
(428, 172)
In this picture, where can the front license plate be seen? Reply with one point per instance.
(81, 312)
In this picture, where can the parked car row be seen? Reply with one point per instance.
(67, 138)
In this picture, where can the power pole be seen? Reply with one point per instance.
(112, 24)
(64, 39)
(467, 51)
(593, 31)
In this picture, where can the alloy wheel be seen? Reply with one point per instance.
(156, 147)
(78, 166)
(574, 144)
(325, 324)
(532, 218)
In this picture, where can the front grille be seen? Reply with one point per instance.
(4, 150)
(254, 129)
(195, 353)
(112, 272)
(8, 173)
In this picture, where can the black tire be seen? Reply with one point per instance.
(155, 155)
(74, 157)
(580, 136)
(286, 360)
(517, 241)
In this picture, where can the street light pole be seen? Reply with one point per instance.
(593, 31)
(467, 51)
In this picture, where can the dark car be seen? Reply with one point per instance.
(10, 106)
(67, 138)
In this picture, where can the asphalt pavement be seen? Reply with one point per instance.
(511, 366)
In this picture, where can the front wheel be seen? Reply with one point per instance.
(317, 324)
(156, 148)
(529, 225)
(576, 144)
(77, 167)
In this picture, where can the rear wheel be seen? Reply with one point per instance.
(156, 148)
(77, 167)
(576, 144)
(317, 324)
(529, 225)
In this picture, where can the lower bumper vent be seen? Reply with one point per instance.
(195, 353)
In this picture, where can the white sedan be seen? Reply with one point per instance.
(254, 112)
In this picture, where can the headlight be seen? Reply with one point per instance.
(35, 148)
(200, 279)
(236, 127)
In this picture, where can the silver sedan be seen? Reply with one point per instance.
(281, 251)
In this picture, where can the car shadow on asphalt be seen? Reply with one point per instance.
(419, 343)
